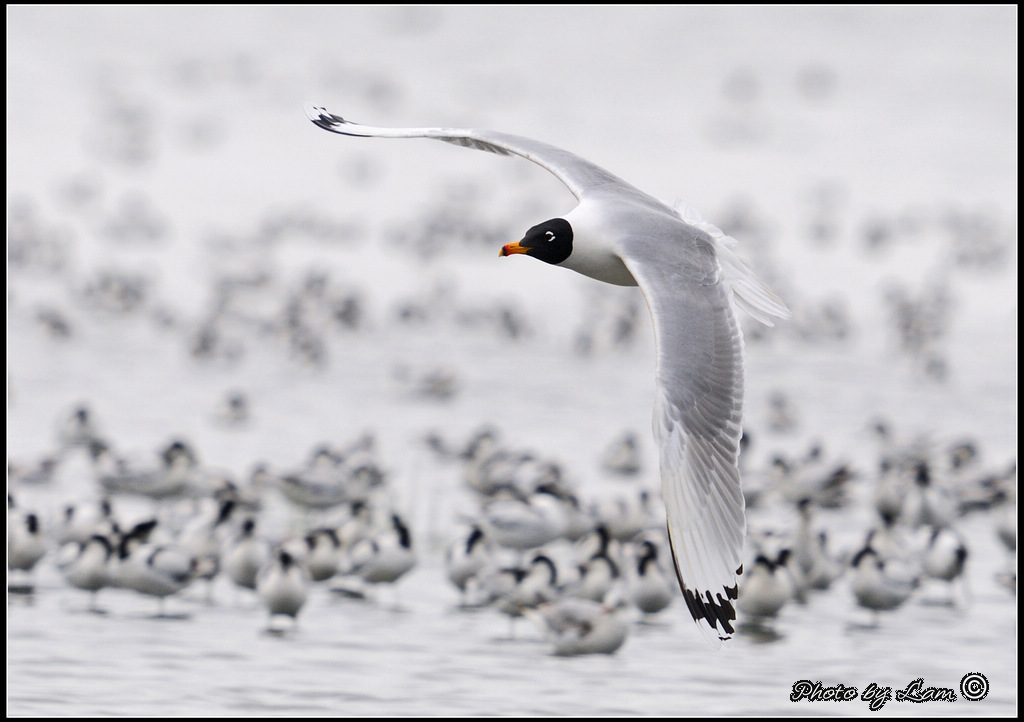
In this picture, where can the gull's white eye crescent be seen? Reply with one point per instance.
(550, 235)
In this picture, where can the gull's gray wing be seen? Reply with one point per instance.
(697, 414)
(580, 176)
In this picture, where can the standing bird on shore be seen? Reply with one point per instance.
(155, 570)
(385, 557)
(874, 588)
(691, 281)
(86, 565)
(283, 586)
(767, 588)
(945, 558)
(649, 589)
(26, 545)
(582, 626)
(245, 555)
(466, 558)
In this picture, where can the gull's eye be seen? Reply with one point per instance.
(550, 236)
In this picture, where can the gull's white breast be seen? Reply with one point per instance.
(594, 252)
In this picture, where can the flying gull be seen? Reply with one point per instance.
(691, 281)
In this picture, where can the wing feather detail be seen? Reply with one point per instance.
(697, 418)
(579, 175)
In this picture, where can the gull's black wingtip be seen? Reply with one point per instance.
(316, 113)
(321, 117)
(709, 612)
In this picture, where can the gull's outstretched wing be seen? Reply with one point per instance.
(697, 416)
(580, 176)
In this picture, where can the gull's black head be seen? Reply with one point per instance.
(550, 241)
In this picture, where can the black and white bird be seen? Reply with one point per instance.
(203, 537)
(26, 545)
(598, 576)
(874, 588)
(244, 555)
(175, 475)
(465, 558)
(385, 557)
(767, 588)
(86, 565)
(526, 587)
(945, 557)
(649, 588)
(691, 281)
(583, 626)
(927, 504)
(323, 553)
(156, 570)
(283, 586)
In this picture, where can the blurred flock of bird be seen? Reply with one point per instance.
(535, 545)
(531, 542)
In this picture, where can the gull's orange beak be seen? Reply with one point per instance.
(509, 248)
